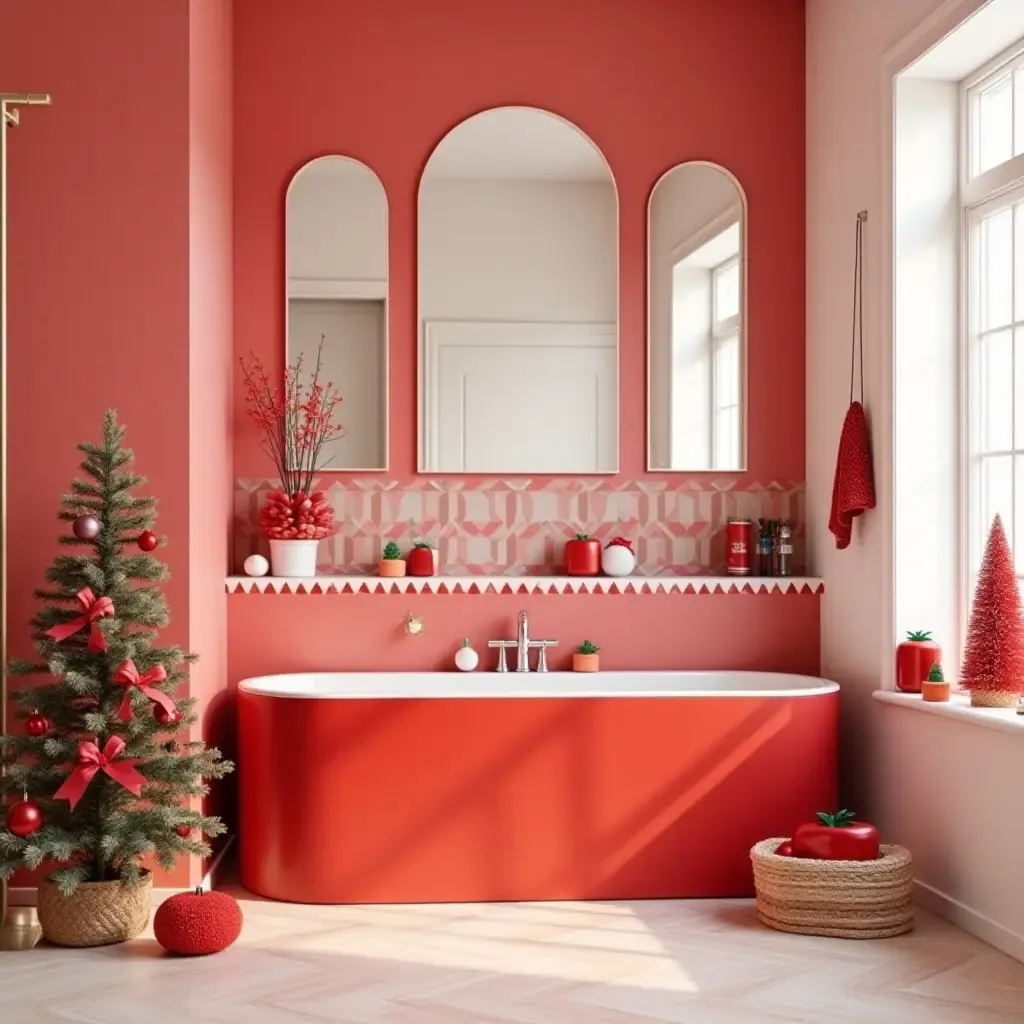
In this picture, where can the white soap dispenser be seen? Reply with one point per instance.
(466, 659)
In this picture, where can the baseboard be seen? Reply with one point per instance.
(25, 896)
(970, 920)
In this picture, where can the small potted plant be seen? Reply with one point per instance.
(582, 556)
(935, 688)
(914, 657)
(391, 562)
(586, 657)
(422, 559)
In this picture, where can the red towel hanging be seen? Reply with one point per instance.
(853, 490)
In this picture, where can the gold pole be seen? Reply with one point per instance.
(19, 929)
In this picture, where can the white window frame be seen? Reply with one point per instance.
(982, 195)
(722, 329)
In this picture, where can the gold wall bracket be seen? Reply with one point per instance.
(18, 930)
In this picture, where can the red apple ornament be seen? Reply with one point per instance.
(197, 923)
(147, 540)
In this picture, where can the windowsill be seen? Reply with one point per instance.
(959, 707)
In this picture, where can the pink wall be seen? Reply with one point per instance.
(98, 236)
(210, 362)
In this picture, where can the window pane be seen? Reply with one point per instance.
(726, 455)
(996, 496)
(727, 373)
(996, 267)
(1018, 261)
(1018, 390)
(727, 292)
(1018, 112)
(995, 124)
(996, 392)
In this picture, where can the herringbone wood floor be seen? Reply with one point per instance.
(699, 962)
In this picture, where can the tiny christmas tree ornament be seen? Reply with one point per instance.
(184, 831)
(86, 527)
(37, 724)
(23, 818)
(147, 541)
(993, 666)
(164, 716)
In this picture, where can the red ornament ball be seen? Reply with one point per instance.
(23, 818)
(184, 831)
(163, 716)
(147, 540)
(37, 724)
(197, 923)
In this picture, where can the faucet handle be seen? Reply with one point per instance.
(542, 652)
(502, 646)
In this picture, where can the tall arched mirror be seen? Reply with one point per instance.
(337, 270)
(696, 321)
(518, 299)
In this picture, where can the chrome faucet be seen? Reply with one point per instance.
(522, 644)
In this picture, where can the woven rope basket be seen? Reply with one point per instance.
(846, 899)
(96, 913)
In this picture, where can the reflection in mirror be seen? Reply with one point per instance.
(518, 299)
(336, 267)
(696, 321)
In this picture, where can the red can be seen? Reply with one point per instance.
(737, 546)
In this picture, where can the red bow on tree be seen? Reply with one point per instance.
(127, 675)
(93, 608)
(92, 760)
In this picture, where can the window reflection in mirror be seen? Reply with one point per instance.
(696, 322)
(518, 299)
(336, 259)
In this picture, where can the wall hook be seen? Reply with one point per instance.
(413, 625)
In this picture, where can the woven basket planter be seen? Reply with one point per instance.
(846, 899)
(96, 913)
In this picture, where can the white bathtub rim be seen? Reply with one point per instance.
(554, 685)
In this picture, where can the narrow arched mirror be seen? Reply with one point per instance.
(336, 268)
(696, 321)
(518, 299)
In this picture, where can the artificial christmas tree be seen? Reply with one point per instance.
(993, 667)
(110, 779)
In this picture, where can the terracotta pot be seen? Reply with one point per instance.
(585, 662)
(391, 567)
(96, 913)
(935, 693)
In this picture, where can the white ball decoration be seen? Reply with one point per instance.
(466, 659)
(256, 565)
(617, 559)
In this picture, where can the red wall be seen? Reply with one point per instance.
(652, 82)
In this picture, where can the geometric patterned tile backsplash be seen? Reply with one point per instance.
(519, 526)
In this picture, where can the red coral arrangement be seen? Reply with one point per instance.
(296, 422)
(298, 518)
(993, 668)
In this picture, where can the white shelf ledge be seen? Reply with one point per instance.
(958, 707)
(524, 585)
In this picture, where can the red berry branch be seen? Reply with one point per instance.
(296, 422)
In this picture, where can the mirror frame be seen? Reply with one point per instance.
(421, 405)
(744, 329)
(354, 290)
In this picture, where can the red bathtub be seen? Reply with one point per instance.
(425, 787)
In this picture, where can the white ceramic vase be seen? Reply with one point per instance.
(293, 557)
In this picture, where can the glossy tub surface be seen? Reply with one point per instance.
(426, 787)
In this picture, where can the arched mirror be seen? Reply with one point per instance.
(696, 321)
(518, 299)
(337, 267)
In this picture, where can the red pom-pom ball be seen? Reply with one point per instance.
(197, 923)
(147, 540)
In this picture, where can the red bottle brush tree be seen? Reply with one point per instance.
(993, 666)
(296, 423)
